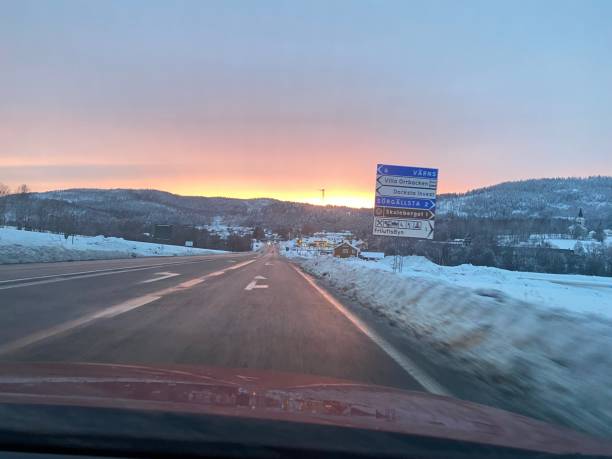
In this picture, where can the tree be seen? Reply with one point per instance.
(283, 232)
(600, 234)
(237, 243)
(22, 207)
(578, 231)
(4, 190)
(258, 233)
(68, 225)
(23, 189)
(308, 229)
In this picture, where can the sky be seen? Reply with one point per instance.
(282, 98)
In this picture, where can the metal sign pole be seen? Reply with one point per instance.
(395, 256)
(398, 260)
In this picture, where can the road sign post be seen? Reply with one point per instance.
(405, 204)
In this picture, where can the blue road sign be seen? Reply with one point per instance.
(406, 171)
(406, 203)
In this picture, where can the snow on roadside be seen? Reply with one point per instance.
(541, 345)
(19, 246)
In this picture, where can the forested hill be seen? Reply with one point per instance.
(549, 197)
(125, 211)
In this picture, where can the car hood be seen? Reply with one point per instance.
(284, 397)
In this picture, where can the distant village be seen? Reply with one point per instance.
(340, 244)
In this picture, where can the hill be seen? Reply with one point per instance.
(536, 198)
(126, 212)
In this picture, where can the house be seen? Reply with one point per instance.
(372, 255)
(345, 250)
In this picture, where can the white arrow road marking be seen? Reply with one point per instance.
(163, 276)
(109, 312)
(253, 283)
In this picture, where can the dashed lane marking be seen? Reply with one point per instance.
(161, 276)
(23, 282)
(109, 312)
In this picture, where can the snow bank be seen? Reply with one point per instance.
(539, 342)
(300, 253)
(18, 246)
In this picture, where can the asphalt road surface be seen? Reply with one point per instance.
(252, 310)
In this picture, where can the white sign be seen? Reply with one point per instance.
(406, 181)
(406, 192)
(403, 228)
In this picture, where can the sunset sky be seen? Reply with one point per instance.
(281, 98)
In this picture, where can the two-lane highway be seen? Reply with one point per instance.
(36, 298)
(238, 310)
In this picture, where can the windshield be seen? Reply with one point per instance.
(404, 198)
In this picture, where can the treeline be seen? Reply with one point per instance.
(202, 238)
(594, 259)
(25, 211)
(460, 240)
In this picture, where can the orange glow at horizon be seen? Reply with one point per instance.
(354, 188)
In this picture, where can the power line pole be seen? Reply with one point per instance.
(322, 190)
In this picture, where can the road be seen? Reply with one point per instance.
(254, 310)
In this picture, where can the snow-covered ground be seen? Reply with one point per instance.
(559, 242)
(539, 341)
(572, 243)
(19, 246)
(223, 231)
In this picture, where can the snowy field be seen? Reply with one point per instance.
(18, 246)
(540, 341)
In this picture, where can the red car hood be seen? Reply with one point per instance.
(284, 397)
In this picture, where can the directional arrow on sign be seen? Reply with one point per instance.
(396, 212)
(405, 203)
(409, 182)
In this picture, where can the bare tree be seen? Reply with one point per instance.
(23, 210)
(4, 190)
(23, 189)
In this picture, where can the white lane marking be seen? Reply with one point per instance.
(162, 276)
(403, 361)
(240, 265)
(52, 281)
(253, 284)
(61, 328)
(267, 263)
(109, 312)
(117, 269)
(192, 282)
(260, 278)
(85, 274)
